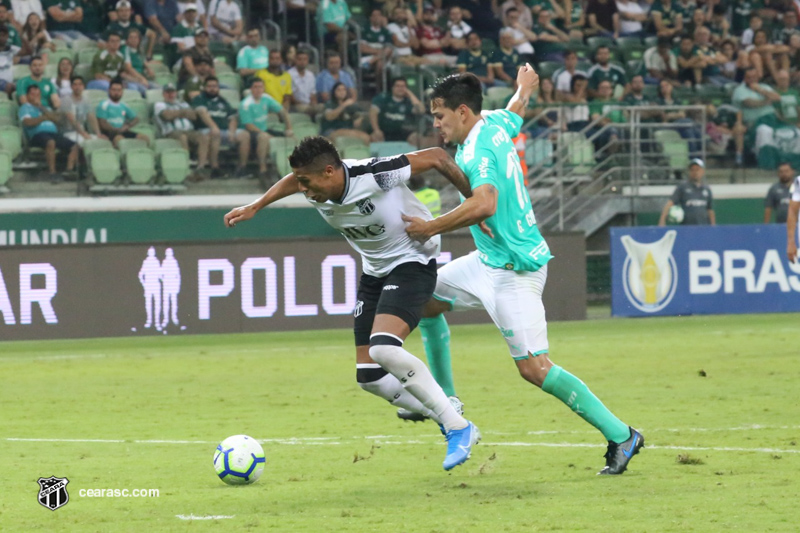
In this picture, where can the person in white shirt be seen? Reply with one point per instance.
(458, 30)
(175, 120)
(404, 39)
(522, 35)
(304, 86)
(225, 21)
(631, 16)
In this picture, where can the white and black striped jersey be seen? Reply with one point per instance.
(369, 214)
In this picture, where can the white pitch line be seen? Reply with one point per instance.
(211, 517)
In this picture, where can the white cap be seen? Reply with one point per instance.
(190, 7)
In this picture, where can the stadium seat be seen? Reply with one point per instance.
(82, 44)
(104, 165)
(232, 96)
(580, 150)
(154, 96)
(546, 69)
(231, 80)
(11, 140)
(146, 129)
(6, 170)
(9, 109)
(82, 70)
(343, 142)
(140, 163)
(499, 96)
(166, 77)
(173, 160)
(131, 94)
(86, 55)
(60, 44)
(674, 147)
(357, 151)
(94, 97)
(282, 144)
(50, 70)
(53, 58)
(141, 109)
(158, 67)
(299, 118)
(651, 41)
(595, 42)
(584, 65)
(388, 149)
(634, 67)
(90, 145)
(221, 67)
(305, 129)
(629, 42)
(20, 71)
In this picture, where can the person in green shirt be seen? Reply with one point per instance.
(342, 117)
(64, 19)
(253, 114)
(107, 64)
(48, 88)
(393, 115)
(505, 59)
(217, 118)
(332, 16)
(124, 24)
(476, 61)
(549, 39)
(195, 84)
(755, 100)
(13, 34)
(136, 73)
(508, 272)
(115, 118)
(788, 107)
(604, 70)
(667, 18)
(252, 57)
(376, 42)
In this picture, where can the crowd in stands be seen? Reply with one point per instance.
(197, 73)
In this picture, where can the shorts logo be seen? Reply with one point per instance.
(327, 212)
(507, 332)
(53, 492)
(649, 274)
(365, 206)
(391, 287)
(359, 309)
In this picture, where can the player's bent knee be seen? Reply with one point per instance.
(384, 346)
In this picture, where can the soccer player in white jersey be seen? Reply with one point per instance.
(507, 273)
(791, 221)
(365, 200)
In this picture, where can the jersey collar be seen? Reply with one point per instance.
(346, 185)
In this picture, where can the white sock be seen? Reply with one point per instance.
(416, 379)
(390, 389)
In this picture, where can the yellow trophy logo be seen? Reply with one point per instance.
(649, 274)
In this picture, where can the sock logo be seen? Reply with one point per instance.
(572, 398)
(406, 378)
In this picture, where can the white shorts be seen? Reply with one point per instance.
(512, 299)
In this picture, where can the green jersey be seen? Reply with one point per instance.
(613, 73)
(117, 115)
(13, 36)
(256, 113)
(394, 116)
(134, 58)
(46, 85)
(66, 6)
(123, 29)
(376, 37)
(476, 62)
(488, 157)
(218, 109)
(253, 58)
(788, 104)
(110, 64)
(510, 61)
(604, 107)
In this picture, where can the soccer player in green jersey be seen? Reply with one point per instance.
(507, 273)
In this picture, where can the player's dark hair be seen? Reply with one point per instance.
(457, 89)
(316, 152)
(470, 34)
(395, 80)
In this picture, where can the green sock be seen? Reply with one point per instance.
(436, 338)
(574, 392)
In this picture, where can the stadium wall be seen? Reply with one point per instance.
(55, 292)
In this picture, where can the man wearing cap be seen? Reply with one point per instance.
(194, 54)
(779, 195)
(9, 56)
(253, 114)
(277, 82)
(114, 118)
(694, 197)
(162, 15)
(64, 17)
(225, 21)
(125, 23)
(107, 64)
(183, 33)
(217, 119)
(175, 120)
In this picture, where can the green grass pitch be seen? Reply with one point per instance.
(716, 398)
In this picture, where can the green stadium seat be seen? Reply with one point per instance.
(357, 151)
(595, 42)
(343, 142)
(50, 70)
(104, 165)
(60, 44)
(299, 118)
(634, 67)
(154, 96)
(498, 96)
(651, 41)
(546, 69)
(628, 42)
(583, 65)
(281, 159)
(231, 80)
(221, 67)
(388, 149)
(82, 70)
(173, 160)
(11, 140)
(90, 145)
(9, 108)
(305, 129)
(6, 168)
(86, 55)
(165, 78)
(580, 150)
(146, 129)
(232, 96)
(674, 147)
(131, 94)
(94, 97)
(53, 58)
(20, 71)
(282, 144)
(140, 163)
(83, 44)
(141, 109)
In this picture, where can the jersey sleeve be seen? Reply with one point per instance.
(710, 202)
(482, 169)
(389, 172)
(795, 190)
(505, 119)
(677, 196)
(272, 105)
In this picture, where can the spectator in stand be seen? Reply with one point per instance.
(690, 64)
(78, 114)
(254, 116)
(175, 120)
(725, 123)
(115, 119)
(783, 33)
(505, 59)
(475, 60)
(39, 125)
(773, 56)
(137, 74)
(195, 84)
(162, 16)
(712, 59)
(603, 18)
(200, 50)
(562, 78)
(481, 15)
(636, 96)
(601, 112)
(549, 39)
(544, 99)
(788, 107)
(125, 23)
(404, 39)
(35, 39)
(64, 18)
(720, 25)
(521, 35)
(667, 19)
(10, 55)
(631, 17)
(288, 55)
(225, 22)
(433, 39)
(63, 77)
(686, 8)
(217, 119)
(252, 57)
(22, 9)
(342, 117)
(304, 86)
(7, 20)
(576, 19)
(184, 5)
(183, 33)
(393, 116)
(697, 19)
(457, 29)
(525, 15)
(755, 100)
(277, 82)
(661, 63)
(694, 197)
(576, 116)
(603, 70)
(108, 64)
(779, 195)
(48, 94)
(730, 68)
(333, 16)
(376, 44)
(756, 23)
(332, 75)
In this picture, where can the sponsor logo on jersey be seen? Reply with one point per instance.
(649, 274)
(363, 232)
(483, 167)
(365, 206)
(391, 287)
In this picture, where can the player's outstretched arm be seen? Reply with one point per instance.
(286, 186)
(527, 83)
(474, 210)
(438, 159)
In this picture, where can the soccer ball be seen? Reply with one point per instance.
(675, 215)
(239, 460)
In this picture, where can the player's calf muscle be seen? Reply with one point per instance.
(534, 369)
